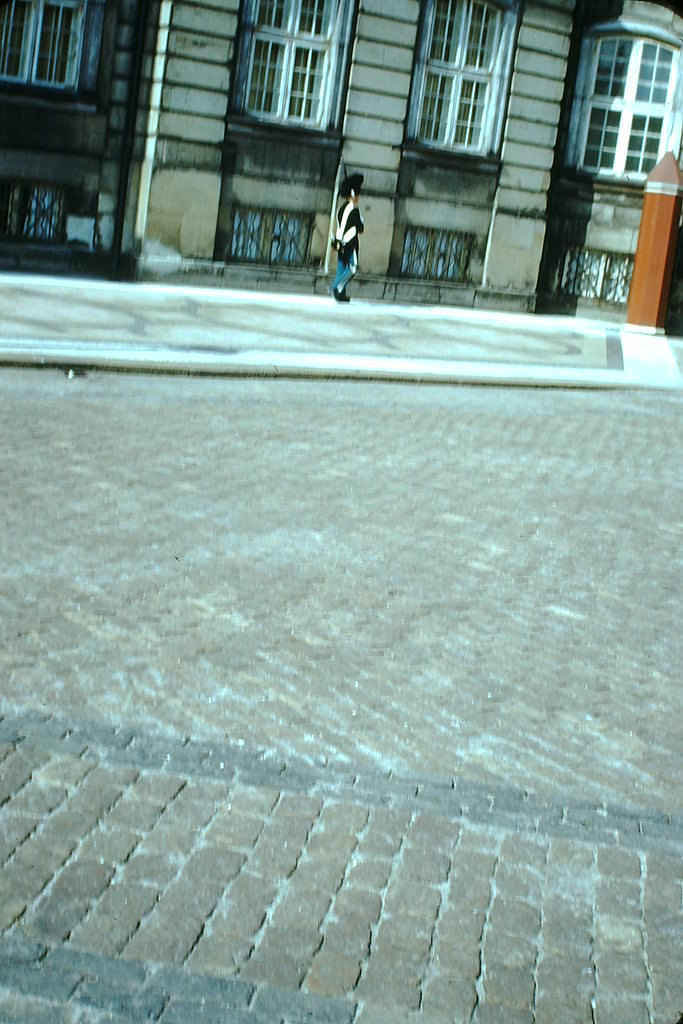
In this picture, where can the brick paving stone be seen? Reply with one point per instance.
(35, 863)
(49, 984)
(619, 863)
(234, 830)
(221, 950)
(114, 919)
(621, 897)
(353, 904)
(617, 935)
(334, 972)
(14, 828)
(277, 967)
(151, 869)
(667, 994)
(618, 1010)
(517, 881)
(390, 991)
(504, 951)
(551, 1007)
(74, 890)
(182, 1011)
(369, 873)
(515, 917)
(37, 797)
(412, 900)
(450, 997)
(247, 901)
(621, 974)
(297, 907)
(112, 846)
(189, 985)
(385, 832)
(437, 835)
(16, 772)
(139, 1006)
(490, 1013)
(11, 908)
(511, 987)
(430, 868)
(301, 1008)
(21, 1009)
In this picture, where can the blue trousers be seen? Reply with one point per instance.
(347, 267)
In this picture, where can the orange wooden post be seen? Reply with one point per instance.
(648, 297)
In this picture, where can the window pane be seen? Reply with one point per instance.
(655, 71)
(481, 36)
(435, 107)
(272, 13)
(315, 17)
(643, 143)
(613, 61)
(470, 113)
(601, 143)
(14, 32)
(58, 45)
(443, 33)
(307, 82)
(267, 63)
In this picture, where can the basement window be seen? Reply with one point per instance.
(279, 237)
(592, 274)
(437, 255)
(31, 210)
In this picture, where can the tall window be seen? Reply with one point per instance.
(40, 42)
(625, 116)
(291, 59)
(465, 55)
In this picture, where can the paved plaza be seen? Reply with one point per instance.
(339, 701)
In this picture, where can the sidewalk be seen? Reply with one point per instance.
(171, 328)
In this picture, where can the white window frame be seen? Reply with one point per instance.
(495, 77)
(628, 106)
(32, 42)
(331, 45)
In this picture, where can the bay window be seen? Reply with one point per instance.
(626, 115)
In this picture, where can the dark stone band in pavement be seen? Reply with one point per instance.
(491, 805)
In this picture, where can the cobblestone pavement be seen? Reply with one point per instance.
(338, 702)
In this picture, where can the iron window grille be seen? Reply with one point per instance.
(31, 210)
(591, 274)
(463, 64)
(437, 255)
(275, 237)
(41, 42)
(292, 55)
(628, 111)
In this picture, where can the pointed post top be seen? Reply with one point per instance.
(666, 178)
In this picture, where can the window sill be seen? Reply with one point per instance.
(449, 158)
(38, 97)
(602, 182)
(249, 127)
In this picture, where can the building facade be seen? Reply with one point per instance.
(504, 144)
